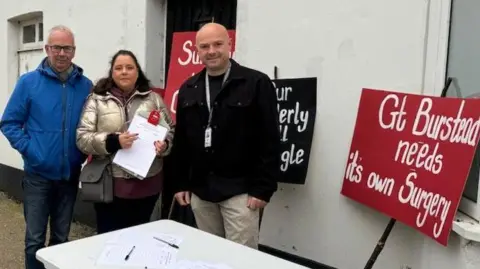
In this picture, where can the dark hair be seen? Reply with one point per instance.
(105, 84)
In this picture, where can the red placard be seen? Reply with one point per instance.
(410, 157)
(184, 62)
(159, 91)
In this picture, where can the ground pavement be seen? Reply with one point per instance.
(12, 229)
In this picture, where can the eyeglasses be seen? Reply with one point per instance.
(57, 48)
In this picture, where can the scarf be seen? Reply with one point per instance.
(63, 76)
(121, 95)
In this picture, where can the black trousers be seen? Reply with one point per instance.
(123, 213)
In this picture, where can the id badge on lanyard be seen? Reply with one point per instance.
(208, 137)
(208, 130)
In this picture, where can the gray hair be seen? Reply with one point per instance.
(61, 28)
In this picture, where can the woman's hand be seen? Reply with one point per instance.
(126, 139)
(160, 147)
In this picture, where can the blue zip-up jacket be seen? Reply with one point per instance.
(40, 121)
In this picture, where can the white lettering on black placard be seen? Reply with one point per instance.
(297, 99)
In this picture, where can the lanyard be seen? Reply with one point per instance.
(207, 92)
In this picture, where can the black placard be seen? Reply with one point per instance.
(297, 99)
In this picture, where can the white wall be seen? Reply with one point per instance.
(155, 25)
(347, 45)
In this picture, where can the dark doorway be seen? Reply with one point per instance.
(190, 15)
(186, 16)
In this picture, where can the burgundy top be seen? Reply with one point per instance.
(133, 188)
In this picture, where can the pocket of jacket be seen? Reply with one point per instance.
(239, 103)
(44, 150)
(31, 155)
(191, 111)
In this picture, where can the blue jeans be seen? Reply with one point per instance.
(44, 198)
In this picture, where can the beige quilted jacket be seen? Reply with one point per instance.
(103, 114)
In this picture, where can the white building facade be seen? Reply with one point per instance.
(403, 45)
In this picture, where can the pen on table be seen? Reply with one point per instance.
(168, 243)
(129, 253)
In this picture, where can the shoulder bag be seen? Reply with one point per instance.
(96, 181)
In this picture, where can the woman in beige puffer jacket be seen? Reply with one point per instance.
(115, 100)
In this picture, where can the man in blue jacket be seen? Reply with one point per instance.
(40, 121)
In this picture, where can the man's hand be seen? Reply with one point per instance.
(183, 198)
(254, 203)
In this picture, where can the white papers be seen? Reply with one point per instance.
(138, 159)
(198, 265)
(142, 256)
(148, 252)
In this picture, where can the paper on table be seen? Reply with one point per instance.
(142, 256)
(138, 159)
(148, 252)
(185, 264)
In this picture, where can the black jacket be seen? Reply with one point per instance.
(245, 152)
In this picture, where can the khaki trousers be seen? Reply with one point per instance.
(230, 219)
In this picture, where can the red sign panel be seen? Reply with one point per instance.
(184, 63)
(159, 91)
(410, 157)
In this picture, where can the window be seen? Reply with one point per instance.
(31, 34)
(463, 66)
(25, 44)
(40, 31)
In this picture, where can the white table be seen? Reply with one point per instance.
(196, 245)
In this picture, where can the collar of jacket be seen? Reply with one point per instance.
(108, 95)
(45, 69)
(237, 72)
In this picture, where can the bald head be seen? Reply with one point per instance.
(213, 46)
(212, 29)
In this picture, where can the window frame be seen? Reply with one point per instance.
(37, 44)
(466, 205)
(469, 208)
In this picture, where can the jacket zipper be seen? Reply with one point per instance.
(126, 113)
(64, 116)
(125, 106)
(124, 109)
